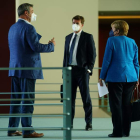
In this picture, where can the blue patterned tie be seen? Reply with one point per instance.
(71, 49)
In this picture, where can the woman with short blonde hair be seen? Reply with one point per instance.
(122, 26)
(120, 69)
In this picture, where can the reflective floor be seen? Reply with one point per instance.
(101, 128)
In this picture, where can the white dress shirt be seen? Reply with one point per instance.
(74, 62)
(24, 20)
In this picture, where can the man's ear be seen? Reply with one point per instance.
(26, 13)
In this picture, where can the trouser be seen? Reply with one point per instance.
(80, 77)
(22, 85)
(119, 98)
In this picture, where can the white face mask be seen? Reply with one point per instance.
(33, 17)
(75, 27)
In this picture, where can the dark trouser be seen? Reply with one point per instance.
(22, 85)
(80, 77)
(119, 98)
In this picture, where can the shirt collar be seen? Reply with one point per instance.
(24, 20)
(79, 33)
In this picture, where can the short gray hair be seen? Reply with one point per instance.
(24, 7)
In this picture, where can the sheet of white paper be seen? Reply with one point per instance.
(102, 89)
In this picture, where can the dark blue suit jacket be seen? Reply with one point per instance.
(25, 50)
(86, 51)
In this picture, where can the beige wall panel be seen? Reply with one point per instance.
(119, 5)
(54, 19)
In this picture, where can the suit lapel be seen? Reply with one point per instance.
(80, 40)
(68, 42)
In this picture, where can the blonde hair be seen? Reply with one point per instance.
(122, 26)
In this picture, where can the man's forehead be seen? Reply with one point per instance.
(77, 21)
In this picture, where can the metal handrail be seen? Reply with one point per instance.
(36, 99)
(66, 101)
(59, 83)
(31, 104)
(39, 68)
(30, 92)
(46, 99)
(32, 115)
(33, 68)
(62, 92)
(34, 128)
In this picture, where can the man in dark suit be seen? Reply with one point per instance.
(25, 51)
(80, 54)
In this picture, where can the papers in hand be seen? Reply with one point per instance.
(102, 89)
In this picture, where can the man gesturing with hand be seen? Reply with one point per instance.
(25, 51)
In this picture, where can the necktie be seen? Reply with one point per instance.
(71, 49)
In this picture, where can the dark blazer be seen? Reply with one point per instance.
(25, 50)
(86, 51)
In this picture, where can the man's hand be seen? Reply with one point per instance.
(52, 41)
(88, 71)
